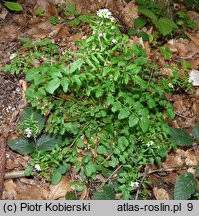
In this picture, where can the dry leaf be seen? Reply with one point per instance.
(58, 191)
(30, 192)
(160, 194)
(9, 190)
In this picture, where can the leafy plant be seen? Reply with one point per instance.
(54, 20)
(186, 184)
(183, 138)
(107, 99)
(13, 6)
(166, 52)
(192, 4)
(183, 21)
(39, 12)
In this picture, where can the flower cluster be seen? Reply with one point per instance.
(134, 184)
(28, 132)
(37, 167)
(150, 143)
(105, 13)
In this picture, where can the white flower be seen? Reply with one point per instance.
(134, 184)
(150, 143)
(12, 56)
(104, 13)
(100, 34)
(170, 85)
(114, 41)
(84, 37)
(28, 132)
(37, 167)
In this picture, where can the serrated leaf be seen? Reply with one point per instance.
(48, 142)
(107, 194)
(133, 120)
(181, 137)
(22, 146)
(56, 177)
(124, 113)
(53, 85)
(165, 26)
(185, 186)
(139, 23)
(196, 131)
(13, 6)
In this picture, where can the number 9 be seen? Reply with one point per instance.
(189, 206)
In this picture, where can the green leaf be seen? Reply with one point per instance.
(80, 143)
(197, 170)
(123, 141)
(22, 146)
(89, 169)
(27, 112)
(102, 150)
(29, 171)
(196, 131)
(181, 137)
(53, 85)
(107, 194)
(76, 65)
(56, 177)
(139, 23)
(70, 195)
(48, 142)
(165, 26)
(116, 106)
(13, 6)
(144, 123)
(38, 78)
(65, 83)
(185, 186)
(148, 14)
(64, 168)
(133, 120)
(79, 186)
(124, 113)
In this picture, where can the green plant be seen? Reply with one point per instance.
(192, 4)
(183, 21)
(13, 6)
(107, 99)
(54, 20)
(186, 184)
(155, 12)
(39, 12)
(166, 52)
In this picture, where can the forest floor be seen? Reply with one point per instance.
(12, 100)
